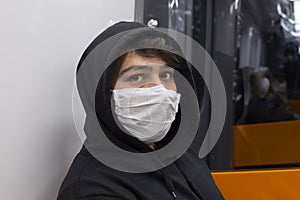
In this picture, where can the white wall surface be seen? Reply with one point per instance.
(40, 44)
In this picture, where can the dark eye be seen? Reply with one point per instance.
(166, 75)
(136, 78)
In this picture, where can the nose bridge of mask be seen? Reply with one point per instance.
(134, 97)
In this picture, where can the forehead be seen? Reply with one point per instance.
(133, 58)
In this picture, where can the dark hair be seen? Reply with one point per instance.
(164, 48)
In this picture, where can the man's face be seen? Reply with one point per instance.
(142, 72)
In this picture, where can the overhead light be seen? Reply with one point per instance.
(287, 29)
(297, 14)
(289, 19)
(280, 13)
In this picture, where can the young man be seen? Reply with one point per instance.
(136, 103)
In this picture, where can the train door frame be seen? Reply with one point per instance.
(217, 14)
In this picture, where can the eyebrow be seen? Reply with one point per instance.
(135, 68)
(141, 67)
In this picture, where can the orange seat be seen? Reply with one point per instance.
(273, 143)
(259, 185)
(295, 106)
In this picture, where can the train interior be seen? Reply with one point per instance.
(256, 46)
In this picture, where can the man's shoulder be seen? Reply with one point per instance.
(87, 176)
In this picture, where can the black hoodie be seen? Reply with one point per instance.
(187, 178)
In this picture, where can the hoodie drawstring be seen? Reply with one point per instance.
(169, 182)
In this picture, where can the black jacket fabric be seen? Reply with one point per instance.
(188, 178)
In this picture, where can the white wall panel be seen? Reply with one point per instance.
(41, 42)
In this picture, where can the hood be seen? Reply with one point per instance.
(93, 82)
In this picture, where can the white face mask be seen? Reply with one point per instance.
(146, 113)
